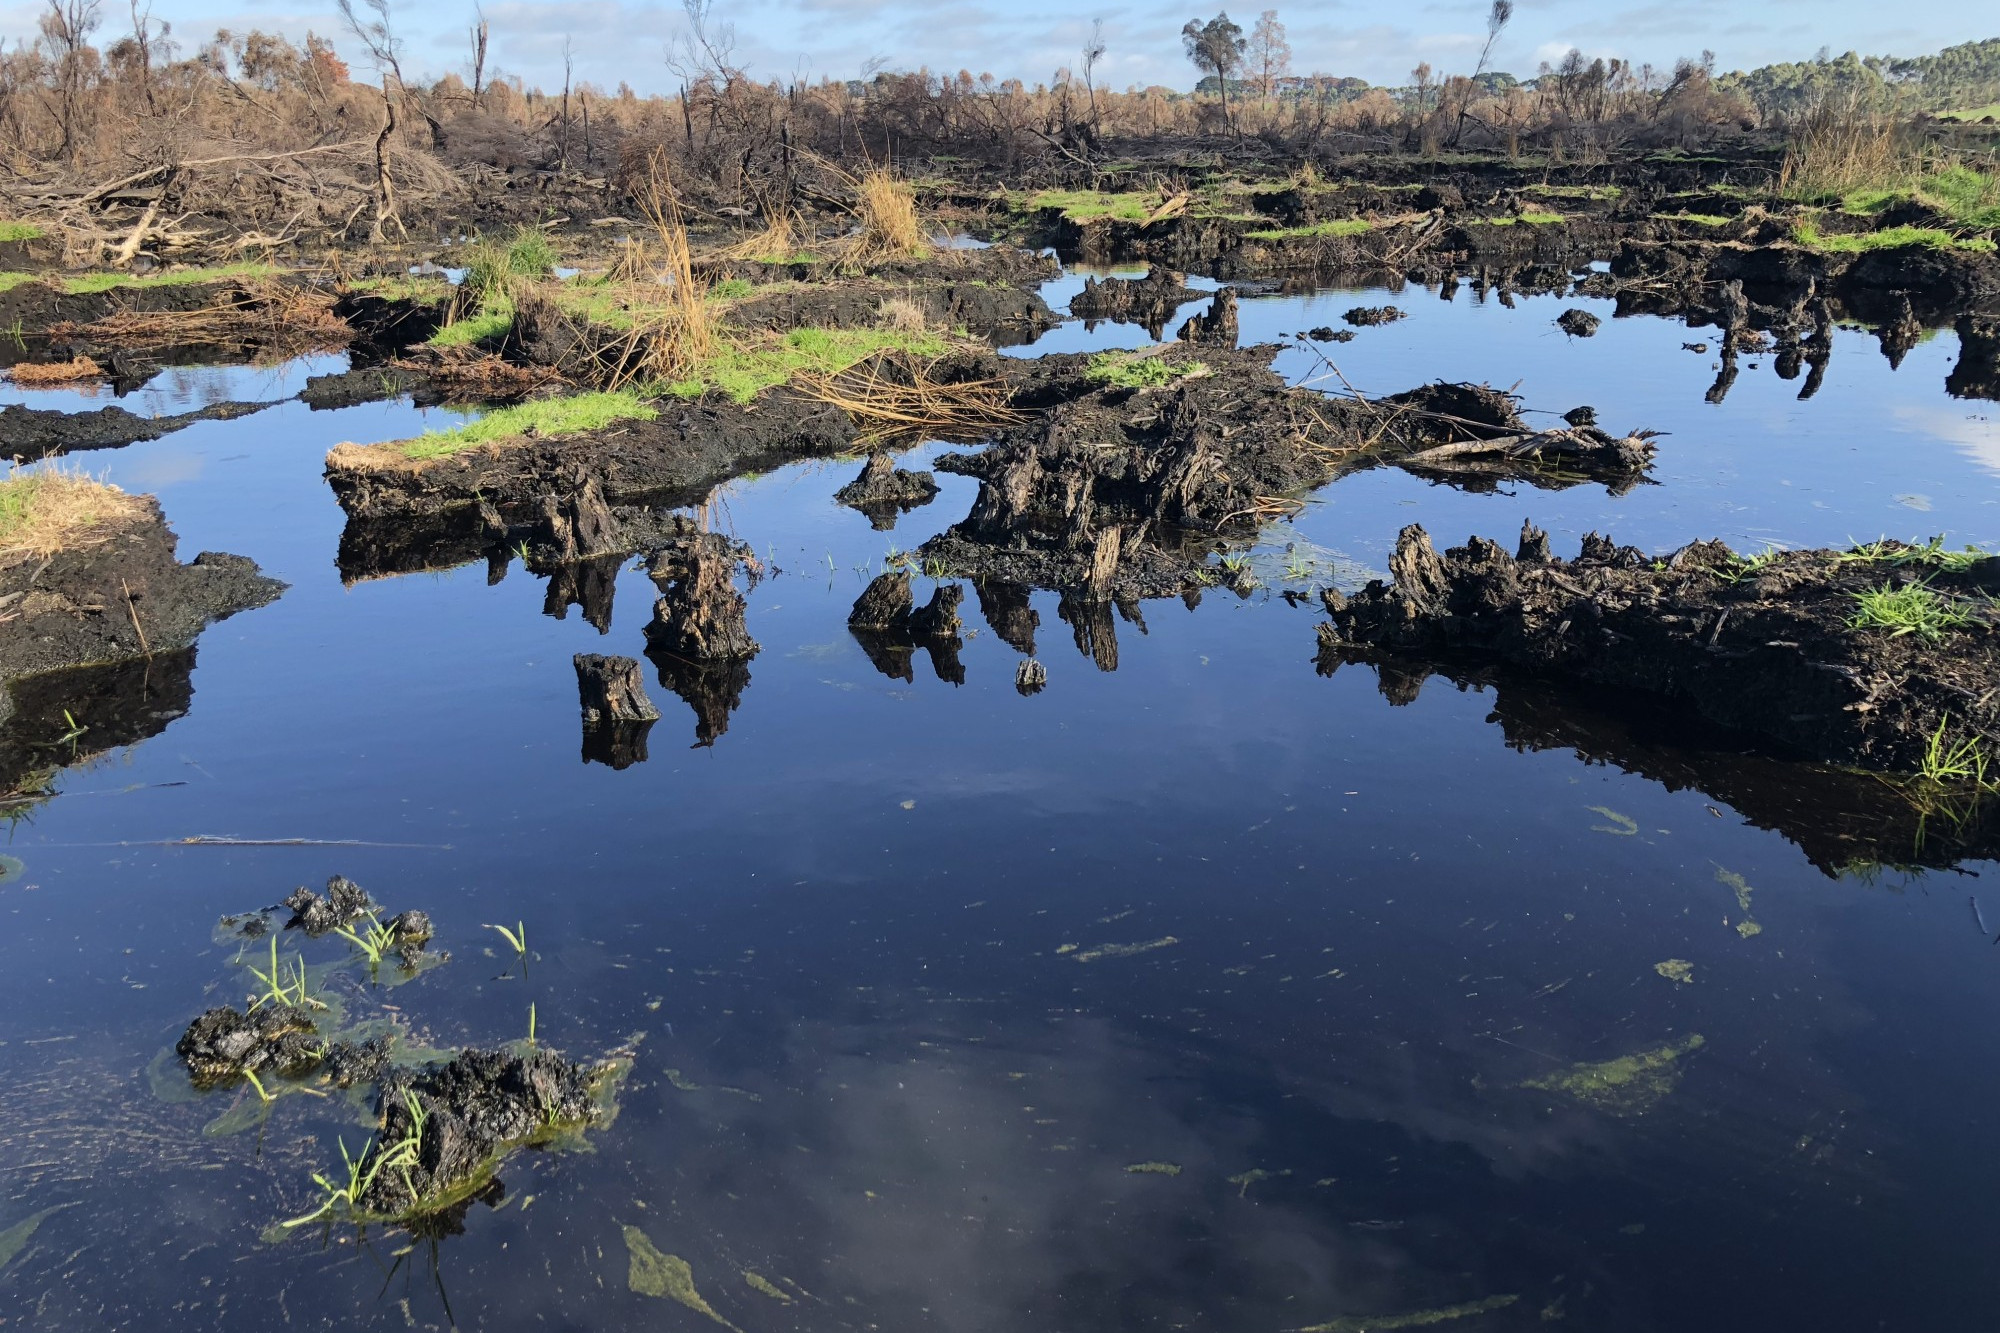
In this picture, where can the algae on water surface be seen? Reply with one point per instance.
(665, 1275)
(1630, 1085)
(1443, 1314)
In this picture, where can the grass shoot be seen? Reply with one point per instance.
(517, 938)
(1913, 609)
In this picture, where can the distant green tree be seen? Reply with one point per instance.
(1216, 47)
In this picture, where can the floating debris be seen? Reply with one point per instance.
(1244, 1181)
(1676, 969)
(1630, 1085)
(1444, 1314)
(665, 1275)
(1122, 950)
(15, 1238)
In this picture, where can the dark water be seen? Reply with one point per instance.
(888, 1063)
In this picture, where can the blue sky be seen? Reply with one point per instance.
(1377, 40)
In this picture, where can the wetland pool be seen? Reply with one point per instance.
(1206, 988)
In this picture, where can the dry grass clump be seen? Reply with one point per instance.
(888, 211)
(680, 334)
(286, 318)
(34, 375)
(782, 237)
(1839, 147)
(47, 510)
(893, 395)
(902, 314)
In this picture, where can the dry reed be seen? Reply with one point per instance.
(1839, 147)
(889, 395)
(285, 317)
(49, 510)
(31, 374)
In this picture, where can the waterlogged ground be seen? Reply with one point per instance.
(1209, 992)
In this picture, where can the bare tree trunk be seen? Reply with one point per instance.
(479, 35)
(385, 189)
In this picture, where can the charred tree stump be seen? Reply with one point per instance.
(699, 615)
(616, 712)
(1217, 325)
(610, 690)
(885, 604)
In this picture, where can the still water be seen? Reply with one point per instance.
(1208, 992)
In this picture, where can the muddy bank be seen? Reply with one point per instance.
(1783, 647)
(672, 459)
(118, 593)
(1004, 316)
(28, 433)
(995, 265)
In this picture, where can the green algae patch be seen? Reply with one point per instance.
(15, 1238)
(1623, 826)
(1123, 950)
(763, 1286)
(1257, 1175)
(1153, 1169)
(1676, 969)
(1748, 926)
(1630, 1085)
(1443, 1314)
(666, 1276)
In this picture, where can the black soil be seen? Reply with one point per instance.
(1770, 649)
(117, 594)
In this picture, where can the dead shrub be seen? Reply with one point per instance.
(31, 374)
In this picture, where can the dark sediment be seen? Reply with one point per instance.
(1770, 649)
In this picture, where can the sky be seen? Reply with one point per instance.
(617, 41)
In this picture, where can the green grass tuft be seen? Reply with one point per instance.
(1331, 227)
(548, 416)
(1699, 219)
(182, 277)
(1090, 205)
(19, 231)
(1532, 217)
(1913, 608)
(1889, 238)
(1131, 370)
(492, 321)
(743, 370)
(731, 289)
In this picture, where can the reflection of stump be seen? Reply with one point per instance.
(889, 630)
(610, 690)
(616, 712)
(1091, 625)
(1009, 613)
(712, 689)
(589, 584)
(699, 615)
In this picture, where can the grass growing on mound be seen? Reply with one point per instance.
(743, 369)
(1889, 238)
(1131, 370)
(1090, 205)
(412, 287)
(1973, 113)
(1911, 609)
(1533, 217)
(45, 511)
(1331, 227)
(19, 231)
(185, 277)
(548, 416)
(1968, 197)
(492, 321)
(1699, 219)
(9, 281)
